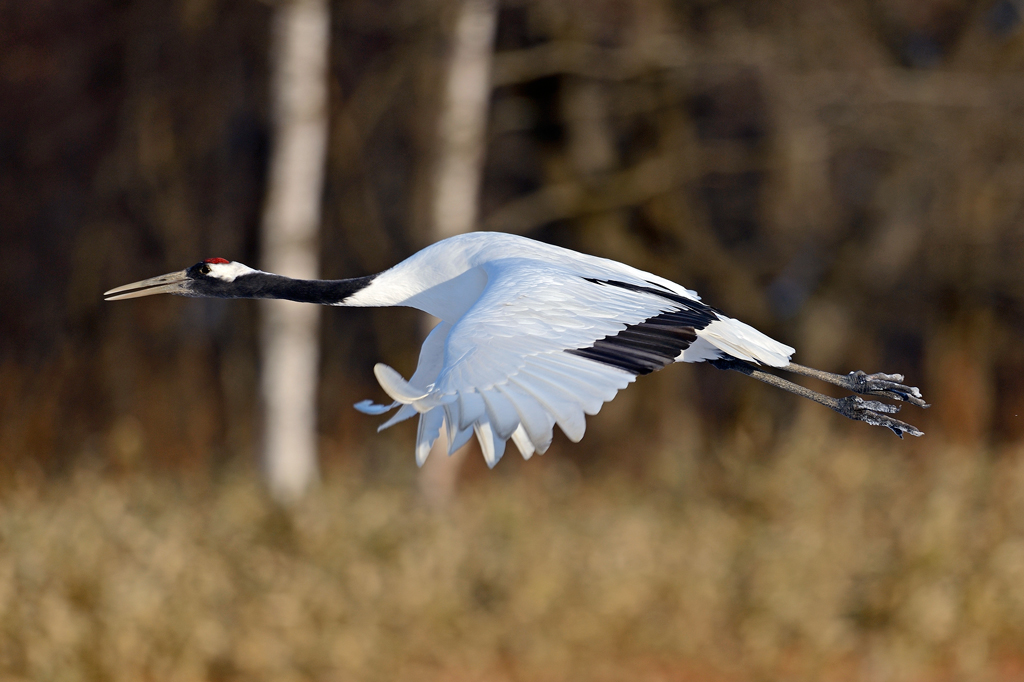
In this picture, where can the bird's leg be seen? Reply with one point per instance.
(881, 385)
(868, 411)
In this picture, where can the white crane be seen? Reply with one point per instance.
(533, 335)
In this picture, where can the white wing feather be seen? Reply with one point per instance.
(501, 370)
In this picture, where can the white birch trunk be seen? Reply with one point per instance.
(461, 146)
(291, 220)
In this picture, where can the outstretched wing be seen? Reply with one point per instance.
(544, 345)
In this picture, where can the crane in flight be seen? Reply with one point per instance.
(532, 335)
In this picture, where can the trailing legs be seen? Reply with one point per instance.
(881, 385)
(854, 407)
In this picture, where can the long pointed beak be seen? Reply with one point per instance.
(172, 283)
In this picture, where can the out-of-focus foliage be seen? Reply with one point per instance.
(797, 573)
(846, 175)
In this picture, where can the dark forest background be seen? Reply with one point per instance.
(845, 175)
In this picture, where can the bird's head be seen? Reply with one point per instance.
(212, 277)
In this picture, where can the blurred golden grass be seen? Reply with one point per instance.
(822, 561)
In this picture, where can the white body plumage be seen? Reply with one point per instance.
(533, 335)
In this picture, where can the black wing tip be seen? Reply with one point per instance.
(656, 342)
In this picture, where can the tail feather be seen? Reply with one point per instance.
(741, 341)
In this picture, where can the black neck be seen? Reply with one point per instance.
(267, 285)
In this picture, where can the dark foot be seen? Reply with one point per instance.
(876, 413)
(885, 386)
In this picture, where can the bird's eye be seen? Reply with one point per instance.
(205, 269)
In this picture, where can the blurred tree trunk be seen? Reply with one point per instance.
(461, 145)
(290, 331)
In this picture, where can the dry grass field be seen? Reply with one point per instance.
(829, 559)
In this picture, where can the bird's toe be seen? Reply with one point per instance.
(876, 414)
(886, 386)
